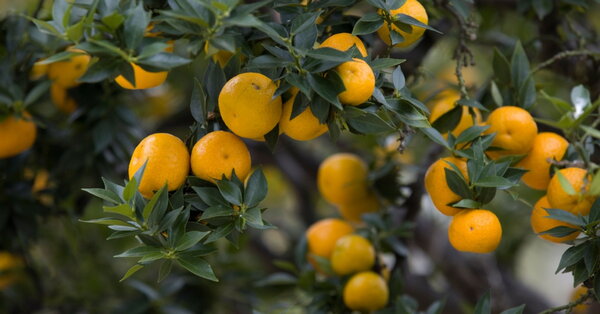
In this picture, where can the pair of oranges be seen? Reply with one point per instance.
(168, 161)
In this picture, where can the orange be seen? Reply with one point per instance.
(168, 163)
(475, 231)
(248, 106)
(411, 8)
(218, 154)
(437, 185)
(515, 131)
(143, 79)
(546, 145)
(343, 42)
(303, 127)
(17, 134)
(445, 102)
(60, 97)
(578, 204)
(342, 178)
(359, 81)
(579, 292)
(352, 211)
(540, 222)
(10, 264)
(221, 57)
(352, 254)
(366, 291)
(67, 73)
(322, 236)
(38, 70)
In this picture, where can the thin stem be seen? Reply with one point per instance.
(562, 55)
(568, 307)
(462, 54)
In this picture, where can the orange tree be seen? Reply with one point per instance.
(76, 75)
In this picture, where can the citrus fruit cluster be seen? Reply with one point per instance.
(167, 160)
(352, 257)
(342, 181)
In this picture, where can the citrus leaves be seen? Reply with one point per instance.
(181, 228)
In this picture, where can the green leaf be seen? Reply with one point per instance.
(277, 279)
(106, 195)
(165, 269)
(407, 19)
(163, 61)
(398, 78)
(107, 221)
(559, 232)
(217, 211)
(457, 184)
(151, 204)
(113, 21)
(123, 209)
(483, 305)
(139, 251)
(472, 103)
(130, 189)
(565, 216)
(190, 239)
(435, 136)
(590, 131)
(594, 214)
(75, 31)
(253, 217)
(384, 63)
(256, 189)
(131, 271)
(496, 94)
(198, 267)
(367, 24)
(494, 182)
(198, 105)
(571, 256)
(303, 21)
(515, 310)
(565, 184)
(449, 120)
(220, 232)
(466, 203)
(369, 123)
(329, 54)
(160, 208)
(501, 67)
(135, 25)
(325, 89)
(471, 133)
(230, 191)
(210, 196)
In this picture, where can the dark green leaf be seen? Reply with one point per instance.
(435, 136)
(483, 305)
(457, 184)
(559, 232)
(217, 211)
(367, 24)
(256, 189)
(104, 194)
(565, 216)
(131, 271)
(515, 310)
(571, 256)
(325, 89)
(198, 267)
(190, 239)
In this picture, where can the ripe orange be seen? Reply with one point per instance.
(437, 185)
(540, 222)
(352, 211)
(168, 163)
(342, 178)
(322, 235)
(143, 79)
(303, 127)
(247, 105)
(10, 266)
(546, 145)
(515, 131)
(219, 153)
(445, 102)
(17, 134)
(61, 99)
(221, 57)
(67, 73)
(475, 230)
(578, 204)
(359, 81)
(38, 70)
(411, 8)
(352, 254)
(343, 42)
(366, 292)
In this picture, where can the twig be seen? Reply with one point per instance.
(568, 307)
(562, 55)
(566, 163)
(463, 55)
